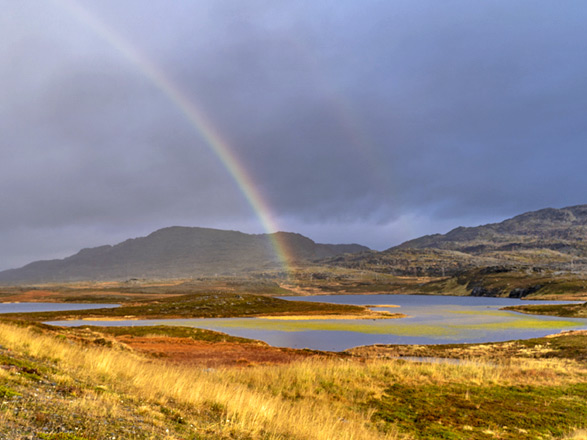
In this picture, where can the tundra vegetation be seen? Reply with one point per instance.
(56, 387)
(103, 383)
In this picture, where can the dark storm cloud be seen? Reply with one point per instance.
(370, 122)
(454, 105)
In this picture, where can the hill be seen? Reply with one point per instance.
(548, 239)
(560, 230)
(176, 252)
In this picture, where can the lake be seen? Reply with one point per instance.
(431, 320)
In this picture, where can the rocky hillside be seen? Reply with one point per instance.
(176, 252)
(561, 230)
(550, 239)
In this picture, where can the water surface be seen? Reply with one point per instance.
(431, 320)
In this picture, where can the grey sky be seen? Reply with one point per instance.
(358, 121)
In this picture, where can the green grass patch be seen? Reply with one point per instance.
(60, 436)
(6, 392)
(564, 346)
(27, 368)
(463, 412)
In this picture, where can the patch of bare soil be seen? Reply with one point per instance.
(215, 354)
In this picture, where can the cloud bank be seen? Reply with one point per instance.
(370, 122)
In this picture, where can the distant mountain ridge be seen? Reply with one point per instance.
(554, 239)
(563, 230)
(176, 252)
(545, 239)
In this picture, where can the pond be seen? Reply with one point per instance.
(49, 307)
(431, 320)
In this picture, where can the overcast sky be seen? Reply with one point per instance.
(357, 121)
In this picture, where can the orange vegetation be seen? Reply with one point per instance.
(213, 354)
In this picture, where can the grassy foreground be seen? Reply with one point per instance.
(54, 388)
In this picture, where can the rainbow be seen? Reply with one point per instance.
(196, 117)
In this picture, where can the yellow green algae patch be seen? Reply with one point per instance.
(379, 327)
(375, 315)
(477, 313)
(529, 324)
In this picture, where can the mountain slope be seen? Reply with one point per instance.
(173, 253)
(562, 230)
(553, 239)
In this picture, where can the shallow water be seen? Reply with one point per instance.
(431, 320)
(50, 307)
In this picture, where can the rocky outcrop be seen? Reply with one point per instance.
(521, 292)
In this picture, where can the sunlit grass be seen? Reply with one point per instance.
(236, 406)
(579, 434)
(313, 399)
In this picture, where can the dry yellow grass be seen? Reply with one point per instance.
(244, 410)
(580, 434)
(314, 399)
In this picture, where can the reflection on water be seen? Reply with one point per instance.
(431, 320)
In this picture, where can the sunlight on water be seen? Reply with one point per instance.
(431, 320)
